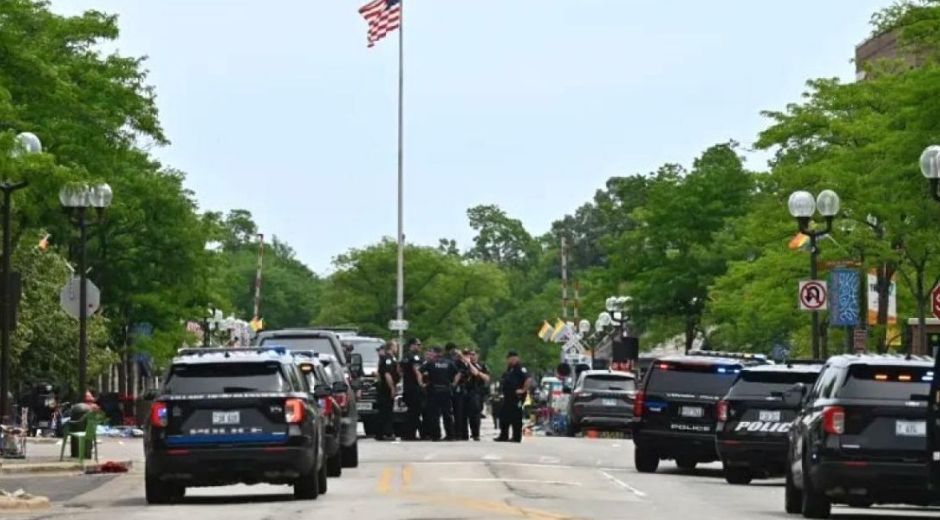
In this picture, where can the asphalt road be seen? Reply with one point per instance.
(542, 479)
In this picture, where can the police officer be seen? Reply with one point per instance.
(475, 380)
(515, 384)
(440, 375)
(387, 381)
(413, 393)
(458, 421)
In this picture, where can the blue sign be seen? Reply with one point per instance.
(844, 308)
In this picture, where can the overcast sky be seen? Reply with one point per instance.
(278, 106)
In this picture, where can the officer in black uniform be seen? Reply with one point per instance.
(458, 421)
(412, 392)
(385, 388)
(440, 375)
(515, 384)
(475, 380)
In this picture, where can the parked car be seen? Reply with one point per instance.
(601, 399)
(328, 346)
(861, 436)
(228, 416)
(367, 404)
(674, 409)
(320, 384)
(755, 418)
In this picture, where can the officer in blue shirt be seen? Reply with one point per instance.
(440, 375)
(515, 385)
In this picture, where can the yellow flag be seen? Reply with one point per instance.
(559, 328)
(545, 333)
(256, 324)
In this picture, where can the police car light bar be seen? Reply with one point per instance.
(732, 355)
(232, 350)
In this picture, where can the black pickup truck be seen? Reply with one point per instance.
(229, 416)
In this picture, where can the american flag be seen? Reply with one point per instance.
(384, 16)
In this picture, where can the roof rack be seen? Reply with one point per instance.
(732, 355)
(791, 362)
(914, 357)
(200, 351)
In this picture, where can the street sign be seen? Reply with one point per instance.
(860, 340)
(813, 295)
(68, 298)
(398, 325)
(935, 301)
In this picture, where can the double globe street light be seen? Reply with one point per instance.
(930, 168)
(77, 199)
(803, 206)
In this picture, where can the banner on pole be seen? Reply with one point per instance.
(844, 286)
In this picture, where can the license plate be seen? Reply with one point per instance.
(691, 411)
(769, 415)
(226, 418)
(609, 402)
(911, 428)
(363, 406)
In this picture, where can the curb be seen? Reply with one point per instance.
(61, 467)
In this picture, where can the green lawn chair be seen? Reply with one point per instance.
(90, 435)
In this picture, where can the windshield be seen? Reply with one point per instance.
(226, 378)
(900, 383)
(319, 344)
(694, 379)
(609, 382)
(367, 349)
(760, 383)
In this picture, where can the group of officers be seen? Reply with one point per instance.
(445, 387)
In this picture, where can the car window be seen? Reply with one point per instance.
(762, 383)
(901, 383)
(367, 349)
(295, 379)
(609, 382)
(222, 378)
(318, 344)
(824, 377)
(691, 378)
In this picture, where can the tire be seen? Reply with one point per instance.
(334, 464)
(158, 492)
(686, 463)
(814, 503)
(307, 487)
(645, 460)
(368, 426)
(322, 481)
(350, 455)
(861, 504)
(792, 496)
(738, 475)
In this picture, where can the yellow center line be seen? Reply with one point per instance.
(384, 486)
(406, 472)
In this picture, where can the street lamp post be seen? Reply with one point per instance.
(77, 199)
(26, 142)
(614, 314)
(930, 168)
(803, 206)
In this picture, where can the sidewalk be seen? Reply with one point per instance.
(42, 456)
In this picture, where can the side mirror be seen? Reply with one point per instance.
(340, 388)
(794, 395)
(321, 392)
(355, 364)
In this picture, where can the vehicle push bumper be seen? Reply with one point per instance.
(210, 466)
(741, 452)
(876, 481)
(670, 444)
(606, 422)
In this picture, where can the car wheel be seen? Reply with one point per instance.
(792, 496)
(814, 504)
(645, 460)
(307, 487)
(686, 463)
(861, 504)
(158, 492)
(334, 464)
(350, 455)
(322, 481)
(738, 475)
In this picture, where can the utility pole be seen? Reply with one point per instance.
(564, 279)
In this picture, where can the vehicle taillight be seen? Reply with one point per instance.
(342, 400)
(582, 394)
(638, 404)
(722, 411)
(834, 420)
(158, 415)
(293, 411)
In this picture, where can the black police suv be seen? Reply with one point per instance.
(860, 438)
(368, 396)
(601, 399)
(227, 416)
(675, 408)
(321, 386)
(755, 418)
(327, 344)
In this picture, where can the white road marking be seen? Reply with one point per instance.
(623, 484)
(515, 481)
(549, 460)
(490, 456)
(430, 456)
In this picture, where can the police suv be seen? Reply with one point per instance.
(860, 438)
(675, 407)
(756, 415)
(227, 416)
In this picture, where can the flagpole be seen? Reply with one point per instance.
(400, 299)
